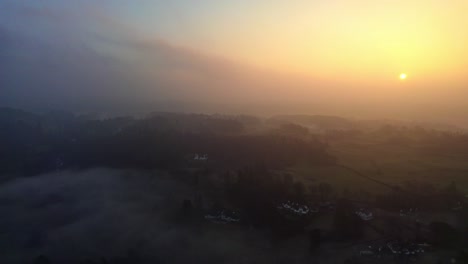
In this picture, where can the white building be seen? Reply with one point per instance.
(295, 208)
(200, 157)
(365, 215)
(223, 217)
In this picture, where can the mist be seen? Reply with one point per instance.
(104, 213)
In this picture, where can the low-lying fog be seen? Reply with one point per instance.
(72, 216)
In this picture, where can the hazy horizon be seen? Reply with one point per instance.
(254, 57)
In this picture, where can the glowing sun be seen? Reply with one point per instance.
(403, 76)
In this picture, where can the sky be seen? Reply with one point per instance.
(327, 56)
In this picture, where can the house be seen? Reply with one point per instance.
(394, 248)
(365, 215)
(366, 252)
(314, 209)
(375, 250)
(222, 217)
(200, 157)
(295, 208)
(409, 212)
(327, 206)
(405, 249)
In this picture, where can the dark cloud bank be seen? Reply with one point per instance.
(54, 60)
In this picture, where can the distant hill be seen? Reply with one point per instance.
(15, 115)
(313, 121)
(326, 122)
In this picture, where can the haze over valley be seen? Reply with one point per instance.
(261, 131)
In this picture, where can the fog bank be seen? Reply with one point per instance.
(72, 216)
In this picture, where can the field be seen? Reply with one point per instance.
(394, 164)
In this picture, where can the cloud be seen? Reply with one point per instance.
(90, 60)
(97, 62)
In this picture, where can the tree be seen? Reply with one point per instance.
(346, 193)
(299, 190)
(42, 260)
(463, 256)
(451, 188)
(325, 190)
(364, 195)
(452, 195)
(417, 230)
(346, 223)
(444, 235)
(352, 260)
(293, 130)
(288, 180)
(315, 238)
(187, 207)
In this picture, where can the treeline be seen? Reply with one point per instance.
(33, 144)
(148, 149)
(422, 195)
(257, 192)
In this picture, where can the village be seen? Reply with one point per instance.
(399, 235)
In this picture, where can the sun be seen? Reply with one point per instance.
(403, 76)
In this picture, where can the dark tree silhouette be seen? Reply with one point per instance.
(346, 223)
(315, 238)
(42, 260)
(325, 190)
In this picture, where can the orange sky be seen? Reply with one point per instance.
(358, 39)
(361, 44)
(344, 52)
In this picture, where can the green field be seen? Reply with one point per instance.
(394, 164)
